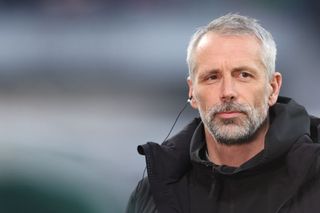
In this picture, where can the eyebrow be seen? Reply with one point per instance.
(205, 73)
(241, 68)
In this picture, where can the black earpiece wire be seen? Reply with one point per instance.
(174, 123)
(181, 111)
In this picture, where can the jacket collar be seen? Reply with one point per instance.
(289, 122)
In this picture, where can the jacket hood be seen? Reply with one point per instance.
(168, 163)
(172, 157)
(288, 122)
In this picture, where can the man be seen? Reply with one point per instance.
(251, 151)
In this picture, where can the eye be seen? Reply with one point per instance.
(245, 75)
(213, 77)
(210, 77)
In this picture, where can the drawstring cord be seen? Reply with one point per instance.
(140, 182)
(215, 185)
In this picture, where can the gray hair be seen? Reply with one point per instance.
(234, 24)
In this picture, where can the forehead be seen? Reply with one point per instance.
(225, 41)
(214, 48)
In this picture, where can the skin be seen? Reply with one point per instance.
(230, 69)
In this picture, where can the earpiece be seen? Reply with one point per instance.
(185, 106)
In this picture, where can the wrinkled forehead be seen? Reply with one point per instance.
(212, 47)
(217, 40)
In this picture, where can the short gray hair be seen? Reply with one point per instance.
(234, 24)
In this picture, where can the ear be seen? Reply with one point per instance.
(275, 85)
(193, 101)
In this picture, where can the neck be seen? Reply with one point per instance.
(237, 154)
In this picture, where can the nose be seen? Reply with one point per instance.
(228, 90)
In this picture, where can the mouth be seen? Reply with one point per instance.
(229, 114)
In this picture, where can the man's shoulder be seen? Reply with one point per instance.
(141, 199)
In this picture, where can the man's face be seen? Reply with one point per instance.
(230, 87)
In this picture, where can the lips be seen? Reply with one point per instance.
(229, 114)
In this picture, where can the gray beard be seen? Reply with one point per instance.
(240, 130)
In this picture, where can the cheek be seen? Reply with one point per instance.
(205, 98)
(261, 99)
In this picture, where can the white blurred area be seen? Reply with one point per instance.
(89, 81)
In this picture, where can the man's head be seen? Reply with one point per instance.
(233, 24)
(232, 77)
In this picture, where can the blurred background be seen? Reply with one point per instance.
(83, 82)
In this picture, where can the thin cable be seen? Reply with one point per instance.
(185, 106)
(140, 182)
(145, 169)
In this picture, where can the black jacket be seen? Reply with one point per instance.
(284, 177)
